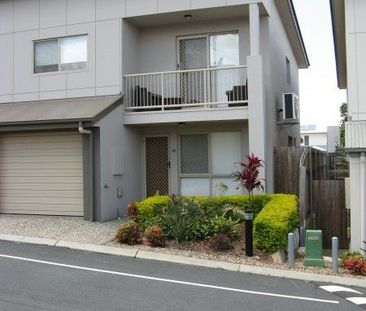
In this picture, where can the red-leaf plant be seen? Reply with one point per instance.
(248, 176)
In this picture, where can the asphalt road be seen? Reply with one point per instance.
(34, 277)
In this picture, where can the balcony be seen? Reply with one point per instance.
(182, 92)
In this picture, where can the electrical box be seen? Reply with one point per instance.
(314, 248)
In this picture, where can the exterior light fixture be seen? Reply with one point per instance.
(188, 16)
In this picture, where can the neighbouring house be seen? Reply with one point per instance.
(349, 29)
(108, 101)
(324, 140)
(333, 139)
(314, 138)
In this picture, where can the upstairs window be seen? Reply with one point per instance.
(288, 71)
(67, 53)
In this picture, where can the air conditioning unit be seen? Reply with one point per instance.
(290, 108)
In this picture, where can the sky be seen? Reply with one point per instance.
(320, 97)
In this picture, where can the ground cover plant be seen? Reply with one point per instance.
(354, 262)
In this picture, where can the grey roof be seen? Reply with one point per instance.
(57, 110)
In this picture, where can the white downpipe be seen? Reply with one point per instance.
(82, 130)
(363, 200)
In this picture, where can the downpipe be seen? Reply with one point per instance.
(83, 131)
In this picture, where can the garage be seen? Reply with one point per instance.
(41, 173)
(50, 156)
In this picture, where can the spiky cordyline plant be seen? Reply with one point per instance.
(248, 176)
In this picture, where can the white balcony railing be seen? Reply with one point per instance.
(184, 89)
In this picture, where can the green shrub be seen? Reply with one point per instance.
(226, 226)
(178, 218)
(198, 217)
(221, 242)
(272, 225)
(129, 233)
(150, 210)
(154, 236)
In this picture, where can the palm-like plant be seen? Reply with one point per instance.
(248, 176)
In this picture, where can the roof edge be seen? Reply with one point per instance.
(337, 11)
(287, 12)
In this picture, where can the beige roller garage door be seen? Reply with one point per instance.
(41, 173)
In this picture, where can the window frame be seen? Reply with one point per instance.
(206, 35)
(59, 70)
(210, 175)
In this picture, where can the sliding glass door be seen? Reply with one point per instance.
(208, 52)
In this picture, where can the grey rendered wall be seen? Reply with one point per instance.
(121, 145)
(130, 51)
(275, 47)
(154, 40)
(22, 21)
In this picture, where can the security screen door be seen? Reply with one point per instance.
(193, 54)
(156, 165)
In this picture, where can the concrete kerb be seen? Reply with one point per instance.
(133, 253)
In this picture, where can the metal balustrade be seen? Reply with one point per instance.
(187, 89)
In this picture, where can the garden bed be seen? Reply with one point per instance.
(212, 228)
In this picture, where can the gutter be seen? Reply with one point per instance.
(90, 165)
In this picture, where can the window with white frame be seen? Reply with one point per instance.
(60, 54)
(207, 161)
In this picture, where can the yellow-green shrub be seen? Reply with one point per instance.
(272, 225)
(150, 209)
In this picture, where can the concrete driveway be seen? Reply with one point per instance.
(73, 229)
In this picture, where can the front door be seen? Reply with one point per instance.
(157, 165)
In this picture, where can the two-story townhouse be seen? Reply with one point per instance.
(108, 101)
(349, 29)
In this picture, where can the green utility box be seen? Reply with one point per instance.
(314, 249)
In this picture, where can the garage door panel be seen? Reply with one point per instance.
(21, 158)
(42, 201)
(41, 173)
(35, 209)
(56, 152)
(38, 187)
(42, 180)
(20, 166)
(30, 193)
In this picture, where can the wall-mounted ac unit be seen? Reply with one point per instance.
(290, 108)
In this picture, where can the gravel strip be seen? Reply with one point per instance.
(73, 229)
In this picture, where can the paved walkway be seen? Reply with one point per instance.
(73, 229)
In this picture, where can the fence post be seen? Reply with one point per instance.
(291, 250)
(334, 254)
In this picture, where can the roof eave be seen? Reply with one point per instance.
(288, 16)
(337, 10)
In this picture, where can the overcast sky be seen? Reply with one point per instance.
(320, 98)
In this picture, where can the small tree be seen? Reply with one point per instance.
(248, 176)
(344, 117)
